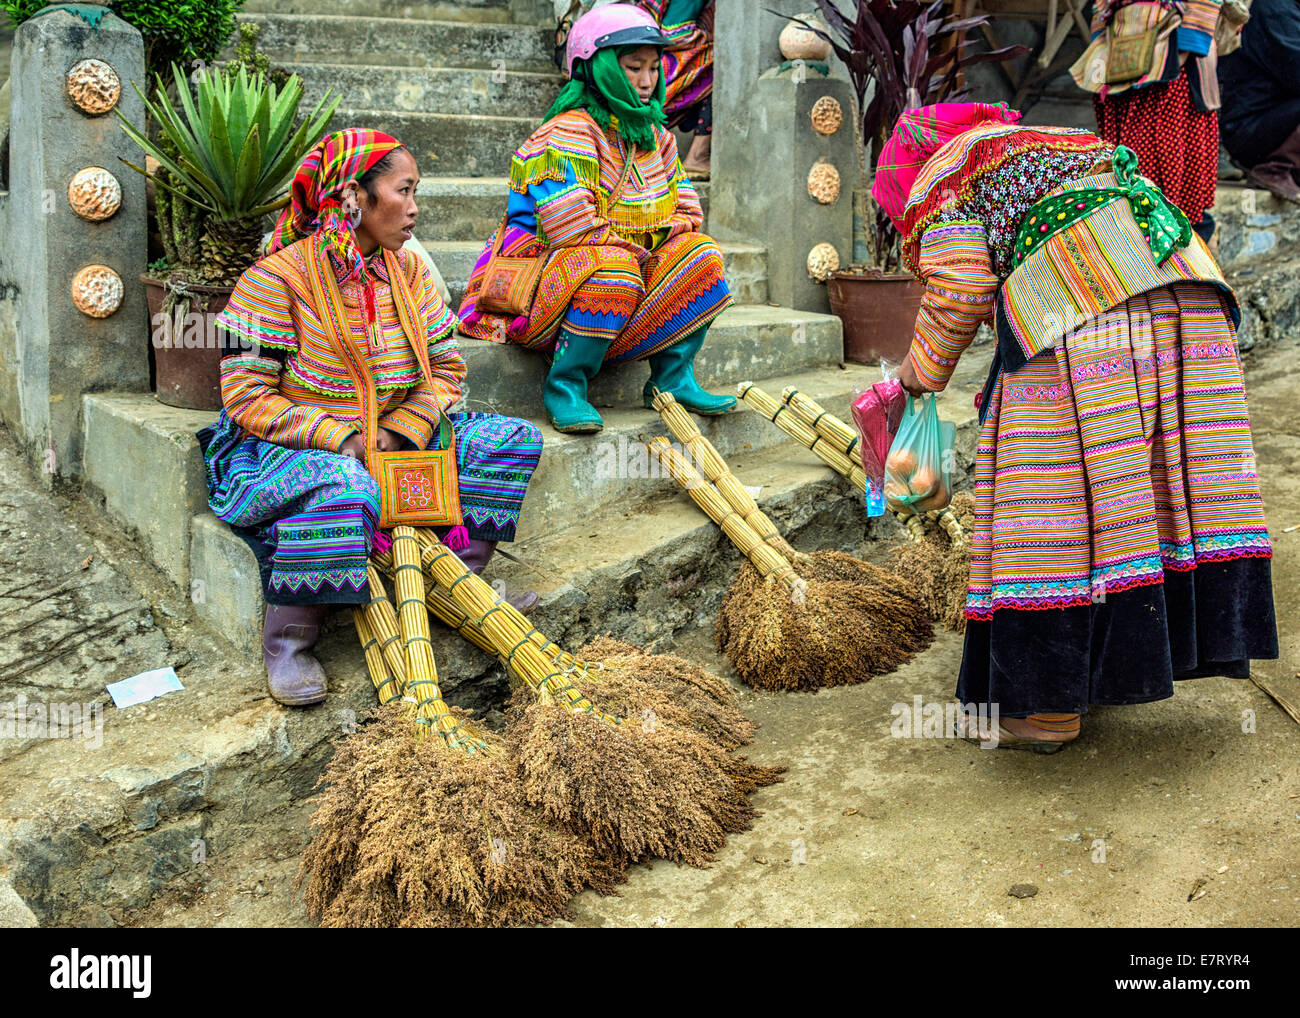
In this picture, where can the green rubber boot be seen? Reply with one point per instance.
(673, 370)
(576, 361)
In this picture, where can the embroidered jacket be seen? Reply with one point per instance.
(282, 381)
(1087, 268)
(562, 176)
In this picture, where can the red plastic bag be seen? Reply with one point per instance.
(877, 414)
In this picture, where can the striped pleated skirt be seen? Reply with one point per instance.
(1120, 541)
(310, 515)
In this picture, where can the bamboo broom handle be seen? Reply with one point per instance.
(764, 557)
(821, 420)
(447, 612)
(387, 685)
(431, 711)
(381, 619)
(715, 468)
(785, 419)
(509, 638)
(429, 546)
(805, 412)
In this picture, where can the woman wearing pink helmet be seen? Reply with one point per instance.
(599, 193)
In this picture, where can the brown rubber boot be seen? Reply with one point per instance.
(295, 677)
(1277, 173)
(476, 558)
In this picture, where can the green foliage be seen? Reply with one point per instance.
(227, 143)
(188, 32)
(235, 143)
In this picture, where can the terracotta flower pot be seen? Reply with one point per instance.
(878, 312)
(187, 352)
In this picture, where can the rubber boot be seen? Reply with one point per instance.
(476, 558)
(575, 363)
(295, 677)
(1278, 172)
(673, 370)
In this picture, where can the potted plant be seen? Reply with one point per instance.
(914, 53)
(225, 159)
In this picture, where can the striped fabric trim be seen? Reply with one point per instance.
(1093, 265)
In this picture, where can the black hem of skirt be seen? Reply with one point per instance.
(1208, 621)
(263, 552)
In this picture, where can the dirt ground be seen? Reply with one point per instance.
(1177, 813)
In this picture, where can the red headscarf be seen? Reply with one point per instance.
(315, 198)
(919, 134)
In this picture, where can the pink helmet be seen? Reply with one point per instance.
(610, 25)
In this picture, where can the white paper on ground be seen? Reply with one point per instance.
(144, 687)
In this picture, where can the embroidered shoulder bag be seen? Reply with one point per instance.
(509, 284)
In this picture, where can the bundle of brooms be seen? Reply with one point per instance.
(935, 562)
(790, 621)
(451, 826)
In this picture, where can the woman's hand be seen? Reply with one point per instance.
(908, 380)
(355, 446)
(387, 441)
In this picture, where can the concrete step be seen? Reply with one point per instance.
(469, 11)
(454, 144)
(745, 266)
(474, 90)
(745, 342)
(334, 39)
(131, 435)
(469, 208)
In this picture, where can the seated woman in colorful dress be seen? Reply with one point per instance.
(286, 459)
(1119, 540)
(628, 279)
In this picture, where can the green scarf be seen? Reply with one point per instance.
(600, 87)
(1163, 223)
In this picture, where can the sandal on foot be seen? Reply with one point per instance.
(968, 730)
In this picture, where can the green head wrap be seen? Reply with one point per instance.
(600, 87)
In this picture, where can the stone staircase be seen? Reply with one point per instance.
(462, 84)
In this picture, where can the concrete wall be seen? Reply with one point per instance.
(51, 352)
(764, 147)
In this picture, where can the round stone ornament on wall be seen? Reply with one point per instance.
(93, 86)
(97, 291)
(826, 115)
(824, 182)
(94, 194)
(823, 260)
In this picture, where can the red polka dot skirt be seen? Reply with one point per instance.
(1177, 145)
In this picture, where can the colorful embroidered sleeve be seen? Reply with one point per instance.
(1196, 32)
(259, 318)
(960, 288)
(416, 417)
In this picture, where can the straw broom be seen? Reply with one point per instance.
(432, 830)
(845, 439)
(821, 565)
(625, 677)
(937, 570)
(782, 631)
(632, 790)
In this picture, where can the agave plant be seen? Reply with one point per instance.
(915, 53)
(230, 150)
